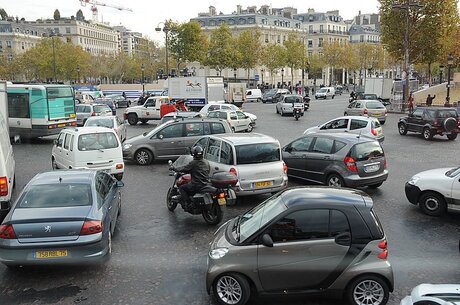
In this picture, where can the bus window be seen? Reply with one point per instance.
(59, 92)
(18, 105)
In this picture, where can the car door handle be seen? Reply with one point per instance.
(216, 168)
(284, 251)
(326, 158)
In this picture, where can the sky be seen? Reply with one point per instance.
(146, 15)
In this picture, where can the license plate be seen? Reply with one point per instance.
(222, 201)
(61, 125)
(51, 254)
(371, 168)
(263, 183)
(376, 114)
(72, 115)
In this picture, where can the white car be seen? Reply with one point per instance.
(144, 113)
(325, 92)
(113, 122)
(214, 107)
(237, 120)
(369, 127)
(435, 191)
(288, 102)
(429, 294)
(7, 165)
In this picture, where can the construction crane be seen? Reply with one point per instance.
(95, 4)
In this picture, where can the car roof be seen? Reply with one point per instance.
(245, 138)
(351, 138)
(63, 176)
(426, 289)
(86, 130)
(306, 195)
(107, 117)
(354, 117)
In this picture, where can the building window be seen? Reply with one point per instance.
(310, 53)
(310, 43)
(361, 38)
(67, 30)
(242, 21)
(321, 28)
(310, 29)
(320, 42)
(8, 44)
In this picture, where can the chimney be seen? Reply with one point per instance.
(238, 9)
(311, 10)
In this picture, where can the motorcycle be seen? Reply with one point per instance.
(297, 112)
(209, 200)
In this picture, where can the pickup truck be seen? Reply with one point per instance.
(144, 113)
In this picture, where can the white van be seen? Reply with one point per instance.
(88, 148)
(7, 165)
(325, 92)
(253, 95)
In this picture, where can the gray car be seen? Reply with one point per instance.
(84, 111)
(303, 240)
(336, 159)
(62, 217)
(367, 108)
(171, 139)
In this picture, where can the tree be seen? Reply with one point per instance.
(295, 53)
(56, 15)
(221, 53)
(273, 58)
(80, 16)
(249, 49)
(188, 42)
(3, 14)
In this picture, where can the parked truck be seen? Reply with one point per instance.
(379, 86)
(236, 93)
(196, 91)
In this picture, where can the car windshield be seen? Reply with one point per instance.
(453, 172)
(257, 153)
(369, 97)
(270, 92)
(97, 141)
(100, 122)
(374, 105)
(106, 101)
(55, 195)
(366, 151)
(257, 217)
(322, 90)
(101, 108)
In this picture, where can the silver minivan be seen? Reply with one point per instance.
(254, 158)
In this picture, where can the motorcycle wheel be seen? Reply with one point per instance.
(212, 214)
(169, 203)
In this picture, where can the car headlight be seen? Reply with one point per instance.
(127, 146)
(413, 180)
(218, 253)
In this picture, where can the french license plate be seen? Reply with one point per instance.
(61, 125)
(263, 184)
(72, 115)
(376, 114)
(51, 254)
(222, 201)
(371, 168)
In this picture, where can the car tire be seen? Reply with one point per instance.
(118, 176)
(143, 156)
(402, 128)
(258, 100)
(225, 284)
(250, 128)
(54, 165)
(382, 122)
(132, 119)
(333, 96)
(452, 136)
(335, 180)
(432, 204)
(427, 134)
(378, 290)
(376, 185)
(144, 121)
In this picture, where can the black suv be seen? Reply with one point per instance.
(430, 121)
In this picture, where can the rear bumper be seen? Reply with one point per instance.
(248, 192)
(412, 193)
(109, 169)
(357, 181)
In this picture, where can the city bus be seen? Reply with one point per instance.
(40, 110)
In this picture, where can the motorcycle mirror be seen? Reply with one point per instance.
(170, 162)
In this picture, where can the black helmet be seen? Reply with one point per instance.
(197, 152)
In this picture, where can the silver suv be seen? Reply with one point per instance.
(337, 159)
(303, 240)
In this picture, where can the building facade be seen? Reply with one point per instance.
(134, 44)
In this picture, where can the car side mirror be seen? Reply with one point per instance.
(289, 149)
(267, 241)
(120, 184)
(343, 239)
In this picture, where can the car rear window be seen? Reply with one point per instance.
(366, 151)
(101, 108)
(374, 105)
(446, 114)
(97, 141)
(257, 153)
(292, 99)
(218, 114)
(100, 122)
(56, 195)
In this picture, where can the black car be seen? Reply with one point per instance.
(430, 121)
(119, 101)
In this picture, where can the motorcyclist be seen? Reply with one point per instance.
(199, 170)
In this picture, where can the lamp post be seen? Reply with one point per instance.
(262, 71)
(441, 71)
(166, 30)
(143, 86)
(234, 74)
(282, 77)
(450, 62)
(78, 74)
(52, 34)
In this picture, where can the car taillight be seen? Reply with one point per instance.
(119, 166)
(221, 195)
(386, 111)
(285, 168)
(383, 245)
(3, 186)
(373, 132)
(435, 123)
(233, 171)
(7, 232)
(350, 164)
(91, 227)
(365, 112)
(93, 113)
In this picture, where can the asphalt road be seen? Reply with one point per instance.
(159, 257)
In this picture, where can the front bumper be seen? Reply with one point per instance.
(128, 154)
(412, 193)
(357, 181)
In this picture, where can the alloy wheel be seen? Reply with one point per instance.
(229, 290)
(431, 204)
(368, 292)
(142, 157)
(335, 181)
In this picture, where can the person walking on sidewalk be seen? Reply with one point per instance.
(410, 102)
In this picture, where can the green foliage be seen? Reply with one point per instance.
(57, 15)
(249, 49)
(295, 53)
(188, 42)
(273, 57)
(221, 52)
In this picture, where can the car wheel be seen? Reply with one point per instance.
(143, 156)
(432, 204)
(402, 128)
(54, 164)
(132, 119)
(144, 121)
(427, 134)
(333, 96)
(231, 289)
(250, 128)
(382, 122)
(118, 176)
(374, 186)
(368, 289)
(452, 136)
(259, 100)
(335, 181)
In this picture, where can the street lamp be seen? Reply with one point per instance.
(282, 77)
(165, 29)
(262, 71)
(78, 74)
(143, 86)
(450, 62)
(441, 71)
(234, 74)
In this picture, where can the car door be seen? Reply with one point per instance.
(57, 150)
(193, 131)
(66, 154)
(148, 112)
(414, 120)
(168, 141)
(295, 157)
(319, 158)
(112, 199)
(233, 120)
(337, 125)
(243, 120)
(304, 253)
(349, 110)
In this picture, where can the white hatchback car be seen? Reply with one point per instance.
(88, 148)
(237, 120)
(433, 294)
(225, 107)
(113, 122)
(369, 127)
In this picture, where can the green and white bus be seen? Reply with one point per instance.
(40, 110)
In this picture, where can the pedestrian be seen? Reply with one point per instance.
(410, 102)
(124, 95)
(312, 90)
(429, 99)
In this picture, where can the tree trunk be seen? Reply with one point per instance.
(429, 74)
(248, 77)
